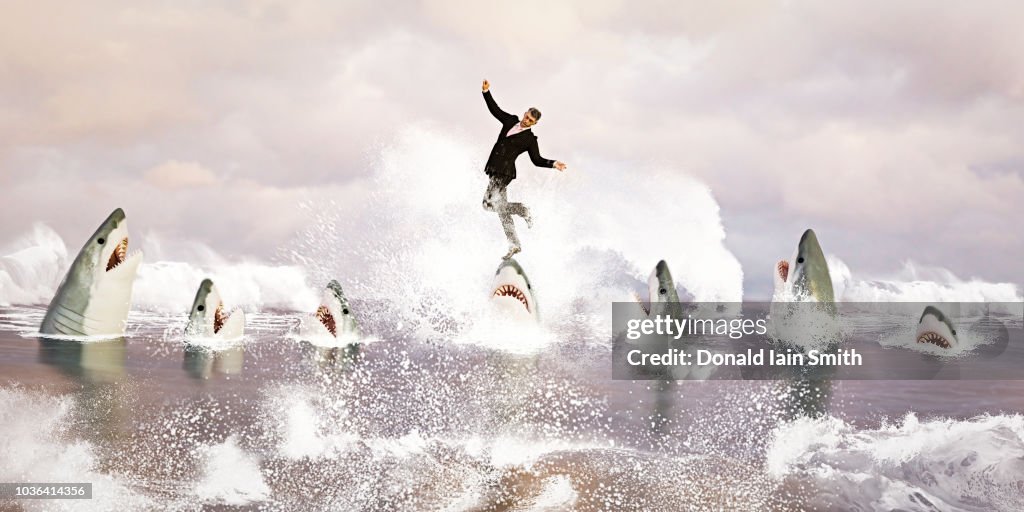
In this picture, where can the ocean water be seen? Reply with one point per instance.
(276, 423)
(449, 406)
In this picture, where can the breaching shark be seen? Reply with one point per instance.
(935, 327)
(333, 317)
(664, 301)
(95, 295)
(511, 290)
(803, 312)
(805, 277)
(207, 319)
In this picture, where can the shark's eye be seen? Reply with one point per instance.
(954, 332)
(344, 311)
(662, 291)
(201, 307)
(100, 240)
(800, 259)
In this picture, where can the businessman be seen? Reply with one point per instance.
(514, 138)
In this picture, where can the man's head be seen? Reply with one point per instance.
(530, 117)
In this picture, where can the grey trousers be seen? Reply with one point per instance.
(496, 200)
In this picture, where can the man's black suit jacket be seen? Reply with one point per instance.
(502, 161)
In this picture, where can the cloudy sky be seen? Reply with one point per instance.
(894, 129)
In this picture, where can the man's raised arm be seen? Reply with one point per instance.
(498, 113)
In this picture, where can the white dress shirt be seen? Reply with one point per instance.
(516, 129)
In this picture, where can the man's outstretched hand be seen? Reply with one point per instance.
(487, 85)
(560, 166)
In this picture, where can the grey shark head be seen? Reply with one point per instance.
(935, 328)
(806, 276)
(94, 297)
(208, 318)
(661, 285)
(662, 289)
(334, 313)
(207, 315)
(511, 286)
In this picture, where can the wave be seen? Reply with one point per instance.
(33, 265)
(917, 283)
(946, 464)
(421, 241)
(170, 286)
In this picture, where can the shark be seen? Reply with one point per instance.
(511, 290)
(664, 301)
(662, 292)
(94, 297)
(208, 320)
(803, 312)
(805, 277)
(935, 328)
(333, 317)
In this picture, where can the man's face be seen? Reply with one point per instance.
(528, 120)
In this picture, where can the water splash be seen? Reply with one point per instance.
(422, 242)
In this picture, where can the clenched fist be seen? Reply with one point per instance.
(487, 85)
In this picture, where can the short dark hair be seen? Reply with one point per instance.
(535, 113)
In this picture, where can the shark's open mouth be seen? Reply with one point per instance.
(783, 269)
(508, 290)
(117, 257)
(934, 338)
(324, 315)
(219, 318)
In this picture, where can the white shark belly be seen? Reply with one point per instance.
(512, 307)
(312, 329)
(234, 327)
(109, 302)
